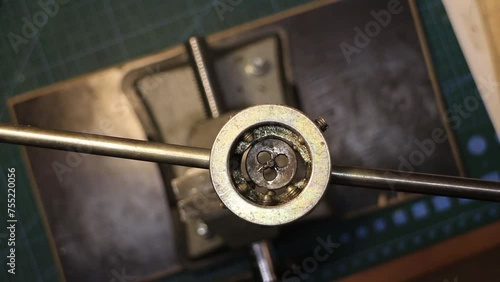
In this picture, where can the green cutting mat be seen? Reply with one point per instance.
(476, 138)
(87, 35)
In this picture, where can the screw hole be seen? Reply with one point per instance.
(270, 174)
(264, 157)
(281, 160)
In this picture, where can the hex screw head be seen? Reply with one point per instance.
(202, 230)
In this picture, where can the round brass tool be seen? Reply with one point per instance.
(278, 175)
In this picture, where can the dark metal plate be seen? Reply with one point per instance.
(106, 215)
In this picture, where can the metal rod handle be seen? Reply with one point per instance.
(416, 183)
(198, 157)
(105, 145)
